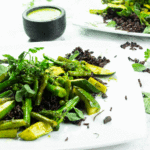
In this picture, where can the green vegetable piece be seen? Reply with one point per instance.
(6, 94)
(43, 118)
(96, 11)
(36, 88)
(6, 108)
(99, 86)
(147, 54)
(25, 91)
(56, 90)
(138, 67)
(99, 70)
(60, 58)
(27, 108)
(116, 6)
(79, 73)
(79, 113)
(5, 99)
(8, 83)
(35, 131)
(67, 88)
(10, 133)
(11, 124)
(85, 84)
(41, 89)
(111, 24)
(55, 71)
(147, 105)
(73, 116)
(3, 72)
(62, 102)
(59, 114)
(92, 106)
(75, 54)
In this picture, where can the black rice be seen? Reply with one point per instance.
(130, 24)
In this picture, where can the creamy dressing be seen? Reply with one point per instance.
(44, 14)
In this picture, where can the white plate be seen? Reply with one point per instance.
(128, 116)
(95, 22)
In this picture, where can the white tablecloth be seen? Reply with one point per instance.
(11, 31)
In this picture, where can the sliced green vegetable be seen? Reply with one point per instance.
(11, 124)
(85, 84)
(92, 106)
(102, 88)
(56, 90)
(35, 131)
(98, 70)
(10, 133)
(43, 118)
(6, 108)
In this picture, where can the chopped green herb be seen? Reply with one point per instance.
(147, 54)
(147, 30)
(147, 105)
(138, 67)
(79, 113)
(73, 117)
(76, 53)
(111, 24)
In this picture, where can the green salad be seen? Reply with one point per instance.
(125, 8)
(29, 82)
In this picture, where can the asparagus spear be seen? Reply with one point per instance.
(11, 124)
(5, 99)
(6, 94)
(41, 89)
(68, 88)
(36, 88)
(10, 133)
(27, 108)
(6, 108)
(56, 90)
(43, 118)
(8, 82)
(59, 114)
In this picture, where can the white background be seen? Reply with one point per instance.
(11, 31)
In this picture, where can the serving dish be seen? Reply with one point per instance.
(128, 116)
(39, 27)
(95, 22)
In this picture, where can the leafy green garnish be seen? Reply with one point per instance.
(146, 95)
(73, 117)
(79, 113)
(125, 12)
(147, 30)
(146, 102)
(138, 67)
(25, 91)
(3, 69)
(147, 105)
(111, 24)
(75, 54)
(147, 54)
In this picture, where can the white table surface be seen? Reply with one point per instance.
(11, 30)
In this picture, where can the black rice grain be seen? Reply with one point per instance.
(107, 119)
